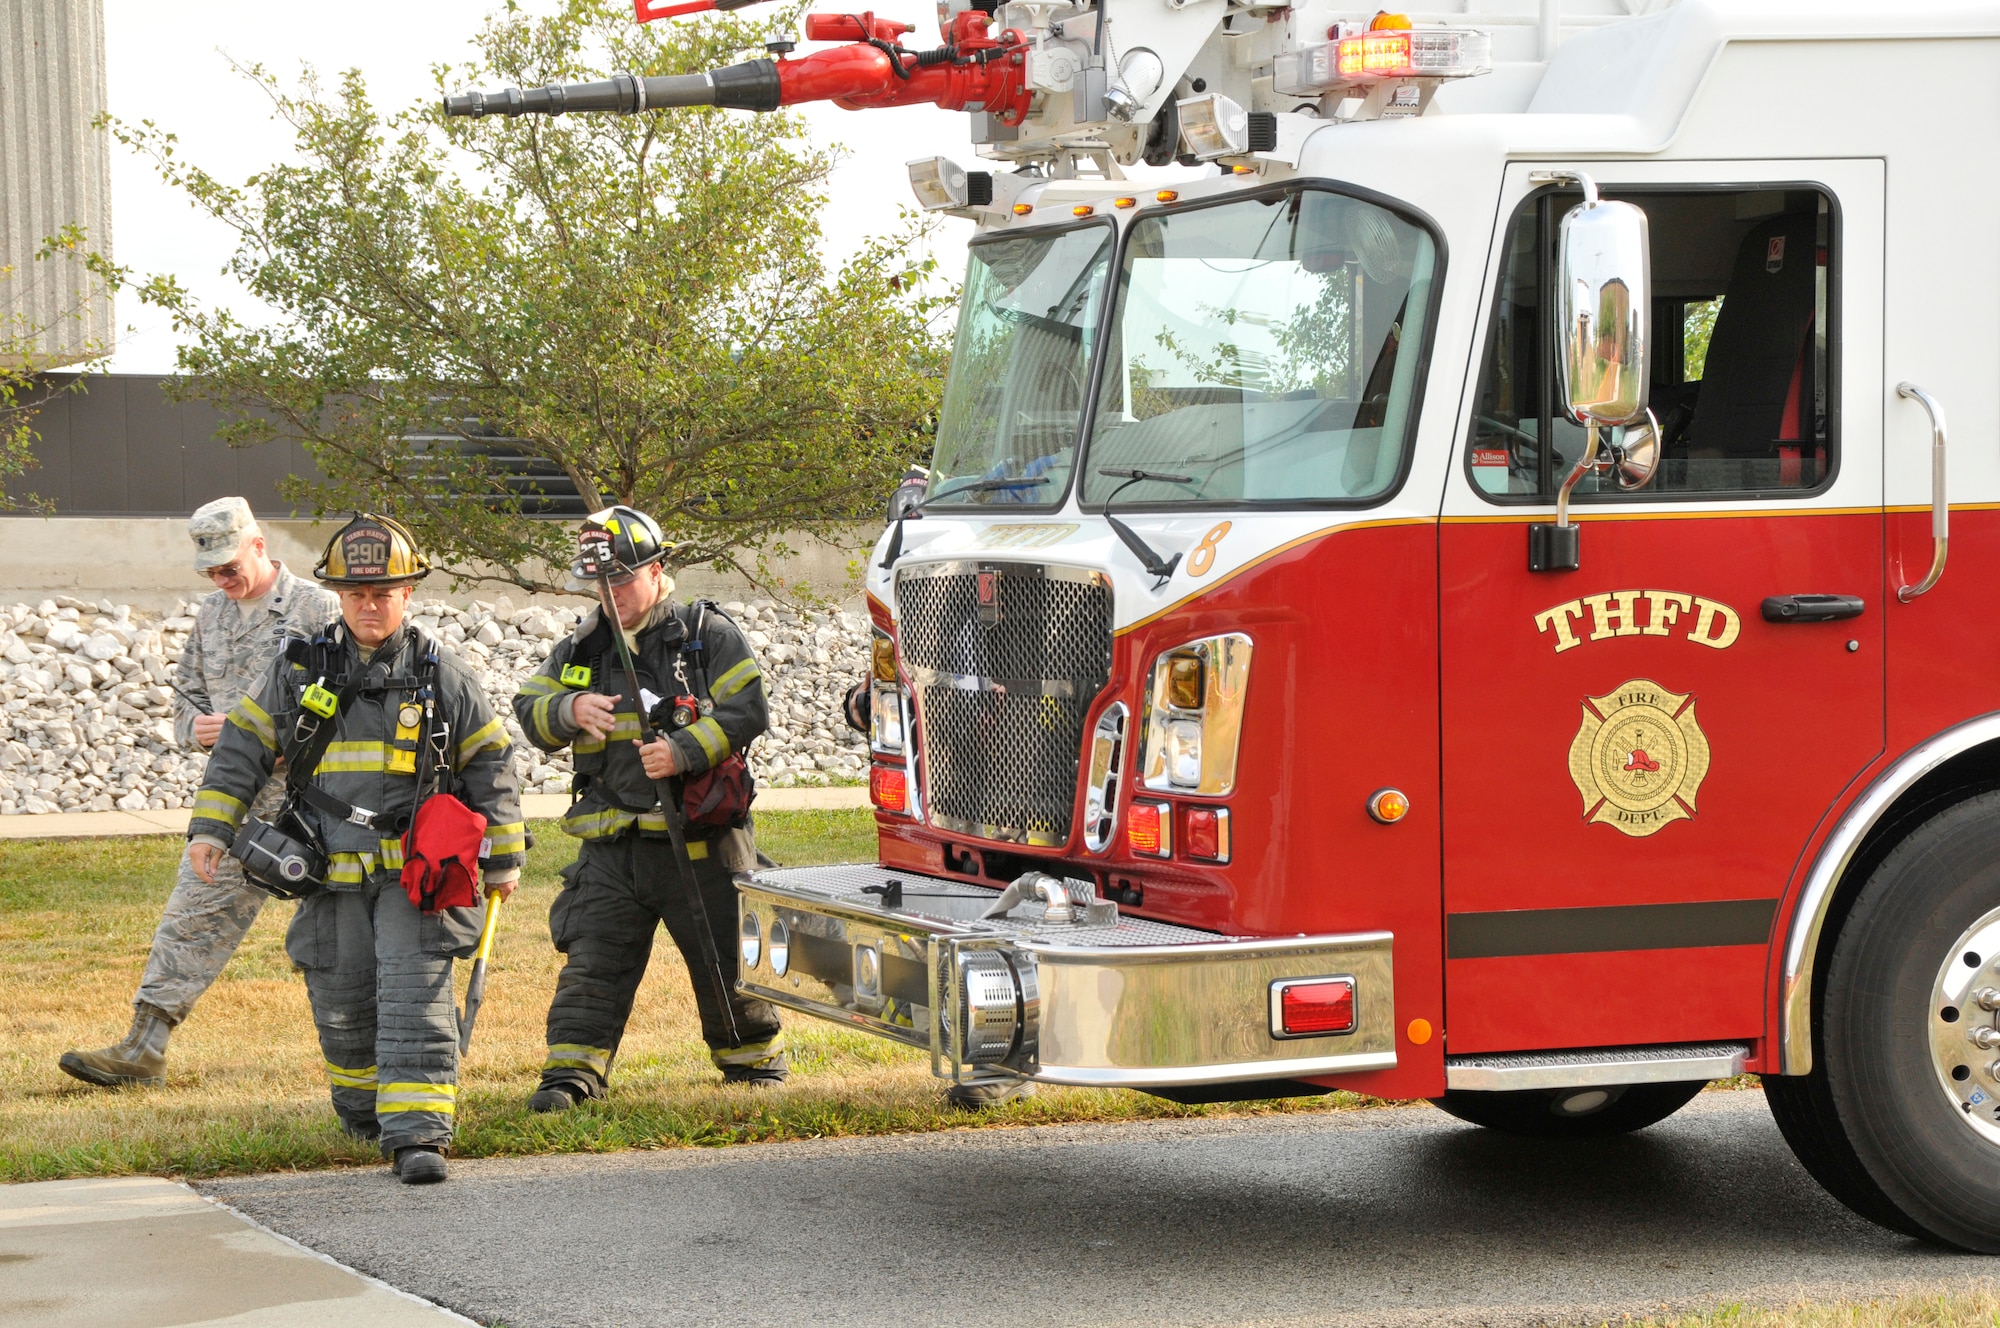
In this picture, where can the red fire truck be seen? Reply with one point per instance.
(1449, 597)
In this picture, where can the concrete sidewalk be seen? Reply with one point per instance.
(538, 806)
(144, 1252)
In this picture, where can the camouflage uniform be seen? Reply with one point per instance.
(225, 658)
(624, 883)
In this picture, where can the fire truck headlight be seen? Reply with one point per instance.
(1194, 715)
(1184, 752)
(885, 719)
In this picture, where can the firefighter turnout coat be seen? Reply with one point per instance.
(378, 971)
(624, 883)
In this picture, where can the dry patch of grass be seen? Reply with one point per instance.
(1973, 1308)
(244, 1091)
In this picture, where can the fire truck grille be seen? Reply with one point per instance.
(1006, 659)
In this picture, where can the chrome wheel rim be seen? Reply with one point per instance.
(1964, 1013)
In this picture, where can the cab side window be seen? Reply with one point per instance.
(1739, 364)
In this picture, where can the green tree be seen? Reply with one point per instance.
(25, 387)
(638, 300)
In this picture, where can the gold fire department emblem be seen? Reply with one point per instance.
(1638, 758)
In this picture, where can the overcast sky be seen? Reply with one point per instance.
(168, 62)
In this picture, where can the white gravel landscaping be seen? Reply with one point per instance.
(86, 708)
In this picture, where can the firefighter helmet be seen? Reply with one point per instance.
(372, 550)
(617, 542)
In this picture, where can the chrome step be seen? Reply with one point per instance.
(1682, 1062)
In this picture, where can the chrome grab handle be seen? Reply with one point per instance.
(1940, 508)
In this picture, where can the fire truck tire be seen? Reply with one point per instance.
(1898, 1116)
(1803, 1109)
(1571, 1113)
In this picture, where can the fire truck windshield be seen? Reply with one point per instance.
(1267, 348)
(1020, 365)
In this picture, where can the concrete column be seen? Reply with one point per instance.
(55, 170)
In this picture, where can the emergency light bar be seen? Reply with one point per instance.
(1363, 59)
(1413, 53)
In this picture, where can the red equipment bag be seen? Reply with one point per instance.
(441, 854)
(719, 795)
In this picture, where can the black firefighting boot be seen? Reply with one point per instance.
(756, 1076)
(140, 1060)
(976, 1091)
(555, 1097)
(420, 1164)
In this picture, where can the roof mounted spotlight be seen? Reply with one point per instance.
(942, 185)
(1213, 126)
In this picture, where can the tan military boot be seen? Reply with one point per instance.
(140, 1060)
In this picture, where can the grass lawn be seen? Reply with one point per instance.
(1969, 1309)
(244, 1089)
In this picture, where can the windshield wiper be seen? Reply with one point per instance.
(895, 549)
(1140, 549)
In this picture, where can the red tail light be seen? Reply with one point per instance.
(888, 789)
(1207, 834)
(1312, 1007)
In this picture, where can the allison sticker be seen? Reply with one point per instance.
(1638, 758)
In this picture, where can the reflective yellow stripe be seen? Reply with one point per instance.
(215, 805)
(625, 727)
(342, 1077)
(352, 757)
(750, 1053)
(611, 821)
(391, 858)
(542, 714)
(735, 680)
(711, 737)
(575, 1056)
(540, 684)
(507, 837)
(490, 734)
(255, 720)
(441, 1098)
(346, 869)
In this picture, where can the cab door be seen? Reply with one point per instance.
(1635, 752)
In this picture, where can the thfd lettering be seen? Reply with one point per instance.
(1618, 613)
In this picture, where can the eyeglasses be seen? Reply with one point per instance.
(226, 572)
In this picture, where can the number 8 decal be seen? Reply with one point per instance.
(1203, 556)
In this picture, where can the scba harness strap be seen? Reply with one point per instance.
(314, 726)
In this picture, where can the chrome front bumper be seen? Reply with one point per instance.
(1109, 1002)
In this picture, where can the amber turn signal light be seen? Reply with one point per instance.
(885, 659)
(1388, 806)
(1184, 682)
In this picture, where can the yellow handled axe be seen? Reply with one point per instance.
(475, 991)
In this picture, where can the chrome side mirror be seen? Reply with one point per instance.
(1604, 288)
(1604, 298)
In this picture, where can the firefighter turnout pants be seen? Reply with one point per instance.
(378, 973)
(614, 898)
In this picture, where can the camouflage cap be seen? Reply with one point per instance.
(218, 530)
